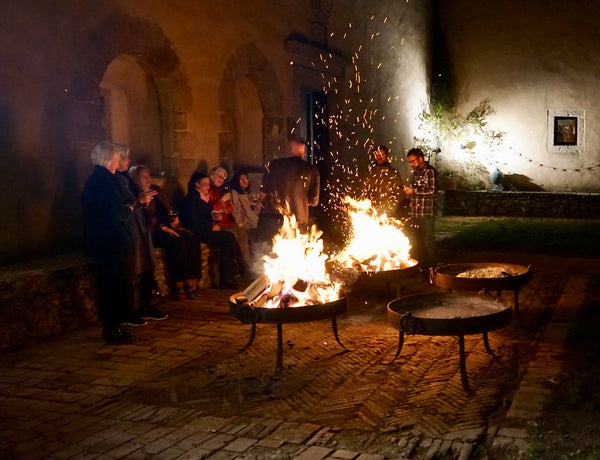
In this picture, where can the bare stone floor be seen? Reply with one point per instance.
(184, 390)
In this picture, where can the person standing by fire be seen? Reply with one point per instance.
(384, 184)
(422, 192)
(106, 240)
(291, 185)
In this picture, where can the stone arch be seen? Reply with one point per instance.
(121, 34)
(248, 61)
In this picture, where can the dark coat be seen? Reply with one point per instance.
(141, 251)
(105, 216)
(384, 188)
(291, 182)
(195, 214)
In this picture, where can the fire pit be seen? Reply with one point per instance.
(249, 314)
(444, 314)
(487, 276)
(385, 277)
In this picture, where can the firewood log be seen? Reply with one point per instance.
(259, 285)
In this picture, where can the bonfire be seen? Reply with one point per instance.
(376, 243)
(299, 273)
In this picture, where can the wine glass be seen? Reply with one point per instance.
(173, 214)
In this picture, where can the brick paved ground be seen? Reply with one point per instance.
(185, 390)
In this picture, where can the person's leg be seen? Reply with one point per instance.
(146, 285)
(415, 237)
(428, 233)
(226, 244)
(112, 295)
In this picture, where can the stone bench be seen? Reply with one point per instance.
(44, 298)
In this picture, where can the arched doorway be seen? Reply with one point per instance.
(249, 115)
(251, 105)
(132, 110)
(126, 46)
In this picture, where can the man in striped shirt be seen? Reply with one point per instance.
(422, 192)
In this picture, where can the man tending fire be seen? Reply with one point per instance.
(422, 192)
(291, 186)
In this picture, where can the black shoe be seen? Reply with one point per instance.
(154, 315)
(118, 336)
(136, 321)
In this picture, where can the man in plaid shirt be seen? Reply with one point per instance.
(422, 192)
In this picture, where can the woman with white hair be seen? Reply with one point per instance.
(106, 240)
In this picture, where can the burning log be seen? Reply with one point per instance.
(275, 290)
(258, 286)
(288, 300)
(300, 285)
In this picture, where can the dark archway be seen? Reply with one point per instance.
(248, 62)
(118, 35)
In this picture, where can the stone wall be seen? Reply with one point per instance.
(520, 204)
(46, 298)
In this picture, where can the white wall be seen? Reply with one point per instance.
(527, 58)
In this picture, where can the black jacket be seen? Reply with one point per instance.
(291, 182)
(105, 216)
(195, 214)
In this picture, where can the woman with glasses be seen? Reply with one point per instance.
(220, 199)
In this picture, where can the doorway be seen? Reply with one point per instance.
(132, 111)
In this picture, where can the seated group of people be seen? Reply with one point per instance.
(209, 214)
(126, 216)
(222, 218)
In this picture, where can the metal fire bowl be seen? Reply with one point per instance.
(447, 314)
(386, 277)
(446, 277)
(455, 313)
(250, 315)
(285, 315)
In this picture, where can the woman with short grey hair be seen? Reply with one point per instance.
(106, 240)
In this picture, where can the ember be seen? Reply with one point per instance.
(487, 272)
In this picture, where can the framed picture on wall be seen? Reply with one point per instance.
(565, 131)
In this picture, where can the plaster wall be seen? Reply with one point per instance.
(43, 47)
(527, 59)
(385, 85)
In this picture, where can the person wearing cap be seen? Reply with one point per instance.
(291, 186)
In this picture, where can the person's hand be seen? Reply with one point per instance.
(216, 228)
(170, 231)
(185, 230)
(226, 197)
(147, 196)
(408, 190)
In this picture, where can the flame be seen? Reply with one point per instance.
(376, 240)
(296, 270)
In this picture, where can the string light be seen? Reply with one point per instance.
(590, 167)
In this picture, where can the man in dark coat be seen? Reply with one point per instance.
(290, 185)
(106, 240)
(383, 185)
